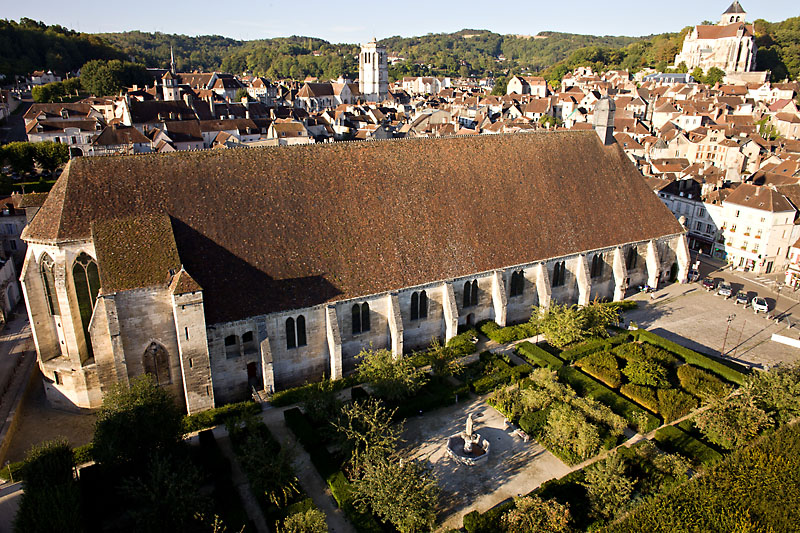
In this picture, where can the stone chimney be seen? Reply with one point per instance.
(604, 119)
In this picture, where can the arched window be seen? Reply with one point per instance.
(291, 339)
(559, 274)
(467, 290)
(87, 286)
(231, 346)
(47, 267)
(156, 363)
(597, 266)
(360, 318)
(474, 295)
(633, 258)
(423, 304)
(249, 343)
(415, 306)
(517, 283)
(365, 316)
(301, 330)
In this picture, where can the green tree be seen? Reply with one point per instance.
(443, 360)
(391, 379)
(310, 521)
(531, 513)
(105, 78)
(569, 430)
(776, 391)
(714, 76)
(241, 93)
(321, 402)
(366, 426)
(165, 495)
(608, 488)
(733, 422)
(20, 155)
(51, 155)
(500, 86)
(51, 501)
(400, 491)
(564, 325)
(134, 422)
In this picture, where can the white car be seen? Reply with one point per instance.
(759, 304)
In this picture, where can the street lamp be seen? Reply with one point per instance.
(729, 320)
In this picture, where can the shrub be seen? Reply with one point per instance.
(635, 351)
(462, 343)
(342, 492)
(602, 366)
(508, 333)
(298, 394)
(644, 396)
(673, 440)
(701, 383)
(583, 349)
(586, 386)
(646, 372)
(570, 435)
(301, 427)
(724, 370)
(217, 416)
(674, 404)
(732, 423)
(533, 422)
(83, 454)
(488, 522)
(533, 354)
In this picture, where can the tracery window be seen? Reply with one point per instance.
(47, 268)
(156, 363)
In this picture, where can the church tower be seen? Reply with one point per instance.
(373, 73)
(735, 13)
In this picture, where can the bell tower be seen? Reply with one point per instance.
(373, 72)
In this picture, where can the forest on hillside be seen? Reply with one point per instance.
(29, 45)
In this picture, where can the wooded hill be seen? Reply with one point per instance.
(30, 45)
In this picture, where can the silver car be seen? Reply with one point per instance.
(725, 289)
(759, 304)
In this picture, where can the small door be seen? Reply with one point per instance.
(769, 267)
(251, 370)
(470, 319)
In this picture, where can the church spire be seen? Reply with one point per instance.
(171, 60)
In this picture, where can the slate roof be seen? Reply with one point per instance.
(270, 229)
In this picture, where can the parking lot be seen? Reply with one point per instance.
(709, 323)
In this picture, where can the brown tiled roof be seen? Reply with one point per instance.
(759, 197)
(117, 135)
(134, 252)
(32, 199)
(270, 229)
(720, 32)
(183, 283)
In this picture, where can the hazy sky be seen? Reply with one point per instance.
(356, 21)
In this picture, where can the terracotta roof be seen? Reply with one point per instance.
(183, 283)
(271, 229)
(720, 32)
(117, 135)
(134, 252)
(759, 197)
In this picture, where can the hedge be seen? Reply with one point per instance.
(462, 343)
(674, 404)
(701, 383)
(218, 415)
(494, 380)
(82, 454)
(593, 345)
(644, 396)
(508, 333)
(488, 522)
(673, 440)
(724, 370)
(591, 388)
(535, 355)
(298, 394)
(602, 366)
(343, 494)
(297, 421)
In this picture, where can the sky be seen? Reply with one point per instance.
(357, 21)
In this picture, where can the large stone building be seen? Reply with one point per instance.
(225, 271)
(373, 72)
(729, 45)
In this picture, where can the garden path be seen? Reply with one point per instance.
(241, 482)
(309, 478)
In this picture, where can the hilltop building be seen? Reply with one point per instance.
(729, 45)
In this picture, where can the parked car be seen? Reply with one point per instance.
(708, 283)
(725, 289)
(694, 275)
(741, 298)
(759, 304)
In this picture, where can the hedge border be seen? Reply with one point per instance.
(537, 356)
(675, 440)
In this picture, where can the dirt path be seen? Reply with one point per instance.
(309, 478)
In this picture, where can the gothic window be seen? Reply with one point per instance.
(49, 282)
(231, 346)
(517, 283)
(156, 363)
(301, 330)
(559, 273)
(471, 293)
(291, 339)
(597, 266)
(467, 289)
(633, 258)
(87, 286)
(474, 294)
(360, 318)
(249, 343)
(415, 306)
(423, 304)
